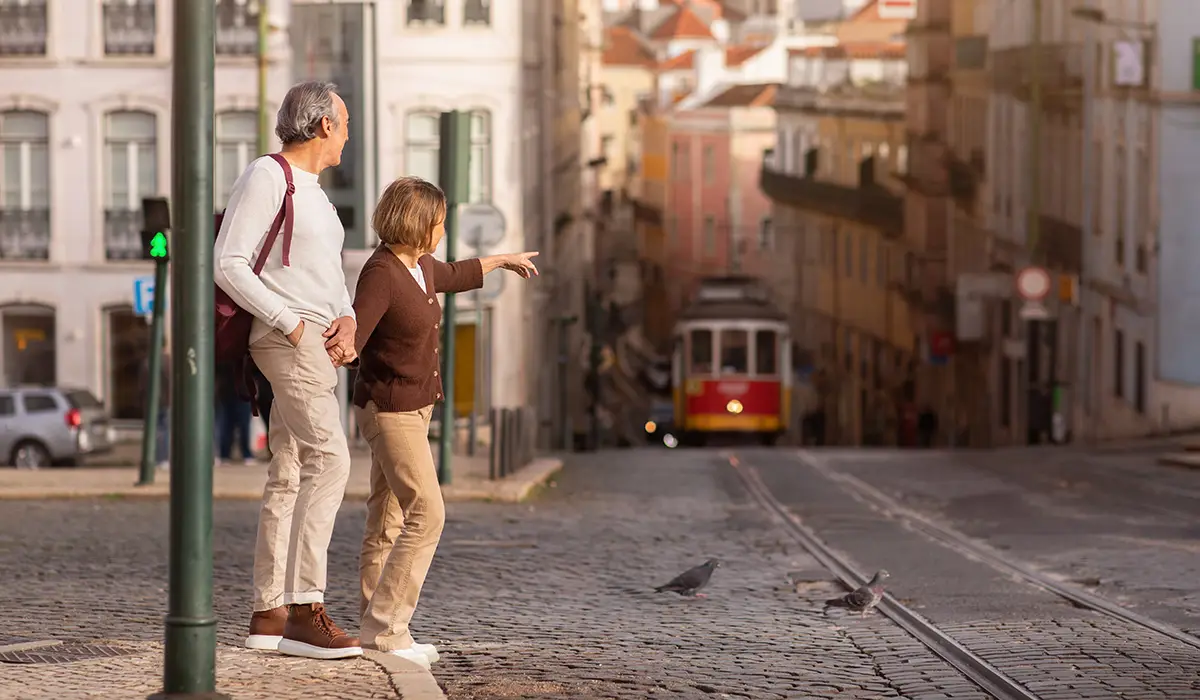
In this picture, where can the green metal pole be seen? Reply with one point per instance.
(189, 667)
(150, 425)
(264, 117)
(453, 167)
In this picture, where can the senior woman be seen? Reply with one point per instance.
(399, 320)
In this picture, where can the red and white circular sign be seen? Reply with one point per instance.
(1033, 283)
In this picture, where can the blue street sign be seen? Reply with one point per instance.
(143, 295)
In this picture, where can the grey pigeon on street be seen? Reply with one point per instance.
(864, 598)
(692, 580)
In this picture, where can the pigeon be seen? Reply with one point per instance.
(864, 598)
(692, 580)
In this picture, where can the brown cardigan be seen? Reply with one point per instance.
(399, 328)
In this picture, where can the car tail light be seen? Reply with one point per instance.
(74, 419)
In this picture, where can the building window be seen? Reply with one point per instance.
(27, 345)
(902, 159)
(480, 180)
(881, 264)
(427, 12)
(849, 253)
(676, 161)
(1119, 364)
(131, 172)
(1119, 224)
(23, 27)
(422, 135)
(237, 27)
(710, 235)
(24, 185)
(766, 234)
(129, 27)
(709, 161)
(864, 259)
(236, 139)
(477, 12)
(1139, 377)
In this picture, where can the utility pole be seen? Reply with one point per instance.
(1033, 346)
(189, 668)
(454, 156)
(264, 117)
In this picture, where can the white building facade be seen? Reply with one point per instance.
(85, 127)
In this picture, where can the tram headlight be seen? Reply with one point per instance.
(651, 426)
(670, 441)
(734, 406)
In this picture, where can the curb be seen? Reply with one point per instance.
(1188, 460)
(513, 488)
(410, 681)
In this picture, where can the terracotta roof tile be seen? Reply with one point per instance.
(622, 47)
(752, 95)
(684, 24)
(737, 55)
(684, 61)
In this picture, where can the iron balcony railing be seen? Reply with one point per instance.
(24, 234)
(129, 27)
(237, 27)
(23, 27)
(122, 234)
(871, 204)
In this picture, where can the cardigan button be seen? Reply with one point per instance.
(437, 325)
(435, 372)
(430, 300)
(439, 395)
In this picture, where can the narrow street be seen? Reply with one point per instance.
(554, 598)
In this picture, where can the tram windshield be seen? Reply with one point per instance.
(701, 352)
(735, 352)
(766, 350)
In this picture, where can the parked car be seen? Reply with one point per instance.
(43, 426)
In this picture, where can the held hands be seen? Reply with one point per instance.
(340, 341)
(520, 263)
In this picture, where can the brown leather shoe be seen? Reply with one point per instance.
(266, 628)
(310, 633)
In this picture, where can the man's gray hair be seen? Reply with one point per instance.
(302, 110)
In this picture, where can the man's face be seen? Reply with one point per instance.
(337, 135)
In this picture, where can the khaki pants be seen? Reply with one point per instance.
(405, 517)
(310, 464)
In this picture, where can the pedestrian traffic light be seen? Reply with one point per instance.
(156, 221)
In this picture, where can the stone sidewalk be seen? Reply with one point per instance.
(134, 670)
(114, 476)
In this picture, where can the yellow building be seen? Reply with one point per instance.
(835, 180)
(626, 81)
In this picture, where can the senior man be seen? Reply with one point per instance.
(303, 330)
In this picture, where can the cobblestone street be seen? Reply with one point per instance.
(553, 598)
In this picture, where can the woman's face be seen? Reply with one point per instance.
(439, 231)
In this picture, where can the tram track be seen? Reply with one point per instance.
(973, 666)
(978, 551)
(985, 675)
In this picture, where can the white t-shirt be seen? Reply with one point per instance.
(419, 275)
(313, 287)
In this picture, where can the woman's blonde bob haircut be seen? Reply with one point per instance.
(407, 212)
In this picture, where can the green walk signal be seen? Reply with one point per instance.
(158, 246)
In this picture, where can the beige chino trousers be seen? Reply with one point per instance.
(405, 517)
(310, 465)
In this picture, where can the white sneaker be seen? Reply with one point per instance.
(414, 655)
(429, 650)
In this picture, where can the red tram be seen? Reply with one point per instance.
(730, 367)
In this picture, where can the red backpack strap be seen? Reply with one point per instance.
(284, 220)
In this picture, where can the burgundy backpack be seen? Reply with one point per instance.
(232, 342)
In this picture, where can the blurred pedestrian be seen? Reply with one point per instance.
(233, 418)
(395, 390)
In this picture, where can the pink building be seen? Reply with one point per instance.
(717, 219)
